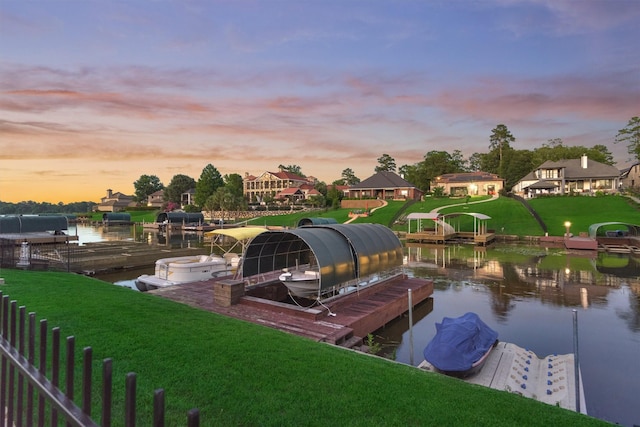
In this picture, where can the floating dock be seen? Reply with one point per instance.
(511, 368)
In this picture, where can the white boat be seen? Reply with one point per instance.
(303, 284)
(188, 269)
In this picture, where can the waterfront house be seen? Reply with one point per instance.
(115, 202)
(271, 184)
(581, 175)
(630, 177)
(385, 186)
(156, 199)
(187, 198)
(469, 183)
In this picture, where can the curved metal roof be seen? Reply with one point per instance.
(180, 217)
(342, 252)
(316, 221)
(633, 230)
(32, 223)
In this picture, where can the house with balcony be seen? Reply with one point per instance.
(187, 198)
(581, 175)
(468, 184)
(269, 185)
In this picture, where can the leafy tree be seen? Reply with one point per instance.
(334, 196)
(630, 135)
(435, 163)
(518, 163)
(321, 186)
(601, 150)
(555, 150)
(386, 163)
(293, 169)
(210, 180)
(145, 186)
(234, 184)
(500, 139)
(179, 184)
(475, 160)
(349, 178)
(225, 200)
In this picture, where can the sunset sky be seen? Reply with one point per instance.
(94, 94)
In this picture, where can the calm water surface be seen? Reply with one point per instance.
(527, 294)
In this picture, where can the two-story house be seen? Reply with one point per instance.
(271, 184)
(630, 177)
(569, 176)
(115, 202)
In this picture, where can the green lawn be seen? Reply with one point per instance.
(508, 216)
(239, 373)
(583, 211)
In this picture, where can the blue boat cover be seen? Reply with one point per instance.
(459, 343)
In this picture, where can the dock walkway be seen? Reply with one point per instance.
(343, 321)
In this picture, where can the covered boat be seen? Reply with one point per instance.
(461, 345)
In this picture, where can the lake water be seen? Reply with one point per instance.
(527, 294)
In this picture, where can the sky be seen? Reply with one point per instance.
(95, 94)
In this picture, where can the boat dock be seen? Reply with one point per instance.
(344, 320)
(550, 379)
(481, 239)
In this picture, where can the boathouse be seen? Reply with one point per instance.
(116, 218)
(619, 237)
(434, 227)
(343, 254)
(316, 221)
(180, 218)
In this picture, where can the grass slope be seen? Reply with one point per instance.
(583, 211)
(239, 373)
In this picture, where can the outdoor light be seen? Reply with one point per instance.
(567, 225)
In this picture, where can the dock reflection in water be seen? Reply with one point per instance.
(527, 294)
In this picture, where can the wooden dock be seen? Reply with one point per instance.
(343, 321)
(481, 239)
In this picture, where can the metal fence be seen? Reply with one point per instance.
(60, 256)
(29, 398)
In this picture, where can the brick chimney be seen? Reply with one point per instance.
(583, 161)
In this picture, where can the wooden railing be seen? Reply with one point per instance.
(29, 398)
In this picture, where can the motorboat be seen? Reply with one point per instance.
(196, 268)
(461, 345)
(301, 283)
(186, 269)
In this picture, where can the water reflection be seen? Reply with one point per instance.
(136, 233)
(527, 294)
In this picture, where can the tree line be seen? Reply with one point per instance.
(214, 192)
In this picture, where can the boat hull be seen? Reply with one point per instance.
(179, 270)
(302, 284)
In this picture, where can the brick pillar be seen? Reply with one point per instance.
(227, 292)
